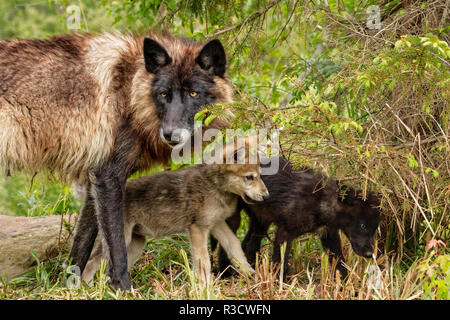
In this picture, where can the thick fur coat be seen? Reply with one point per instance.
(63, 101)
(92, 108)
(303, 201)
(196, 200)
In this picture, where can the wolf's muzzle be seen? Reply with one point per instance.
(175, 136)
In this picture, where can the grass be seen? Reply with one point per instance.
(164, 272)
(380, 122)
(23, 195)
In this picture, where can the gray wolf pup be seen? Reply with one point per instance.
(96, 108)
(198, 200)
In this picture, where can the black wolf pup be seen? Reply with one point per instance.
(303, 201)
(96, 108)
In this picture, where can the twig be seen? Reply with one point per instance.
(424, 179)
(414, 198)
(444, 14)
(410, 144)
(252, 16)
(284, 27)
(84, 16)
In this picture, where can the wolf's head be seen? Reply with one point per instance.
(241, 170)
(186, 77)
(359, 220)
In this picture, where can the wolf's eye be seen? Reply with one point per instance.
(363, 226)
(249, 178)
(192, 93)
(163, 94)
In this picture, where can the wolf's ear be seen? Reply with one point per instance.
(212, 58)
(348, 197)
(155, 56)
(239, 155)
(231, 155)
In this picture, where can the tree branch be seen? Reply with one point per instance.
(250, 17)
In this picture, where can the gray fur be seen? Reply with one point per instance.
(196, 200)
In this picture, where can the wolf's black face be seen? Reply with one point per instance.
(180, 90)
(361, 222)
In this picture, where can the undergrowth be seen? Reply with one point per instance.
(164, 273)
(367, 106)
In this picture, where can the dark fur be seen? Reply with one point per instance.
(85, 107)
(108, 182)
(303, 201)
(176, 82)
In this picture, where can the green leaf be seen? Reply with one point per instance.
(275, 117)
(199, 116)
(435, 174)
(412, 163)
(209, 119)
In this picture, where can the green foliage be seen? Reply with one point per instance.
(370, 107)
(185, 17)
(29, 19)
(23, 196)
(436, 272)
(43, 19)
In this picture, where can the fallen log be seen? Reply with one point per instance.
(46, 236)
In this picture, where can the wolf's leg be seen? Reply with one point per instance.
(231, 244)
(134, 249)
(252, 241)
(282, 236)
(93, 263)
(233, 222)
(108, 189)
(199, 249)
(109, 193)
(330, 240)
(86, 230)
(135, 244)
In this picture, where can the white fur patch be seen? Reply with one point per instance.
(104, 52)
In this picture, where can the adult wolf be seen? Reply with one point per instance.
(96, 108)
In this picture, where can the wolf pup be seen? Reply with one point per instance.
(198, 200)
(96, 108)
(302, 201)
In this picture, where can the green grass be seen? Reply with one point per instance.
(163, 271)
(21, 195)
(24, 195)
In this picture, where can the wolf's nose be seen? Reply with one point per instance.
(368, 253)
(170, 136)
(266, 197)
(167, 135)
